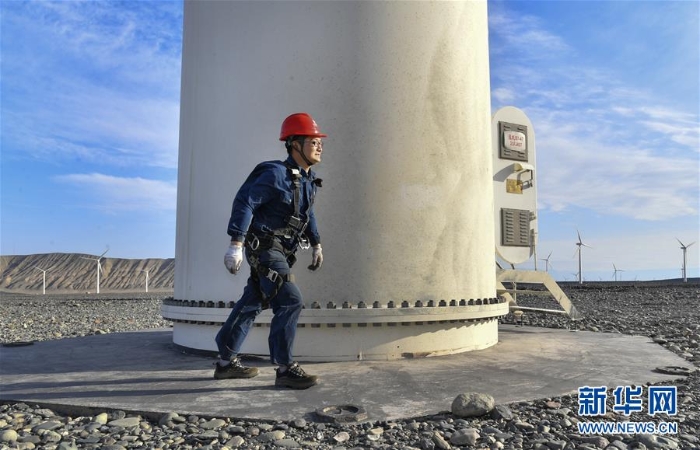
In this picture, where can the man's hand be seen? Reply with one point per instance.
(316, 258)
(234, 257)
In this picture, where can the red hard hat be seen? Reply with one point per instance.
(300, 124)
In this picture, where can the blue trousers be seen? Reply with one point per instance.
(286, 307)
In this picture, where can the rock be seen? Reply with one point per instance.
(51, 436)
(440, 442)
(427, 444)
(50, 425)
(524, 426)
(271, 436)
(212, 424)
(298, 423)
(168, 417)
(556, 445)
(472, 404)
(127, 422)
(116, 415)
(598, 441)
(501, 412)
(615, 445)
(341, 437)
(465, 436)
(656, 441)
(8, 436)
(101, 418)
(287, 443)
(235, 442)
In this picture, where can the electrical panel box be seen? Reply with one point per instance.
(514, 183)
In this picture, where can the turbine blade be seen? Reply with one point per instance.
(682, 244)
(690, 244)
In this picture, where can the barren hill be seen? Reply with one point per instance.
(72, 272)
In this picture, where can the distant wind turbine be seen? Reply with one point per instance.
(685, 259)
(146, 278)
(44, 289)
(99, 268)
(580, 265)
(615, 272)
(547, 265)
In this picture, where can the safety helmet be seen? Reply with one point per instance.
(299, 124)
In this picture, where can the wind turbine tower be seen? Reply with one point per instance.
(99, 268)
(580, 264)
(685, 259)
(44, 288)
(146, 278)
(547, 265)
(615, 272)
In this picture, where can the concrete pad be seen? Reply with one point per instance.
(142, 372)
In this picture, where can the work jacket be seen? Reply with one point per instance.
(265, 201)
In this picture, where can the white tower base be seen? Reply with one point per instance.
(350, 334)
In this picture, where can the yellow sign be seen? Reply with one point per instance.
(514, 186)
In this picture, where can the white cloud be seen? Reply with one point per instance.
(94, 80)
(524, 36)
(117, 194)
(584, 170)
(503, 95)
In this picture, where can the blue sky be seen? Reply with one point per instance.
(90, 107)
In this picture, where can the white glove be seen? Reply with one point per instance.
(233, 258)
(316, 258)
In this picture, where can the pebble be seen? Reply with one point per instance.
(465, 436)
(8, 436)
(127, 422)
(665, 314)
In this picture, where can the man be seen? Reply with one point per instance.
(272, 215)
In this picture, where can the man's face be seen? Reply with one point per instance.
(313, 147)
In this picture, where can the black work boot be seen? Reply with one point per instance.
(235, 369)
(295, 377)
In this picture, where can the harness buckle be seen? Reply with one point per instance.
(304, 243)
(272, 275)
(254, 243)
(294, 222)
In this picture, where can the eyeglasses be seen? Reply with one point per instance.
(315, 143)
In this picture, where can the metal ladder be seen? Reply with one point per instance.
(533, 277)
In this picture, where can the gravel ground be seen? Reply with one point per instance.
(668, 314)
(41, 318)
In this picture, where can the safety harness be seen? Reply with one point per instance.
(271, 239)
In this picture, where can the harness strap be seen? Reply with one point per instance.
(258, 270)
(296, 176)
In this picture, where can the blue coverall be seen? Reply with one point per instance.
(263, 204)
